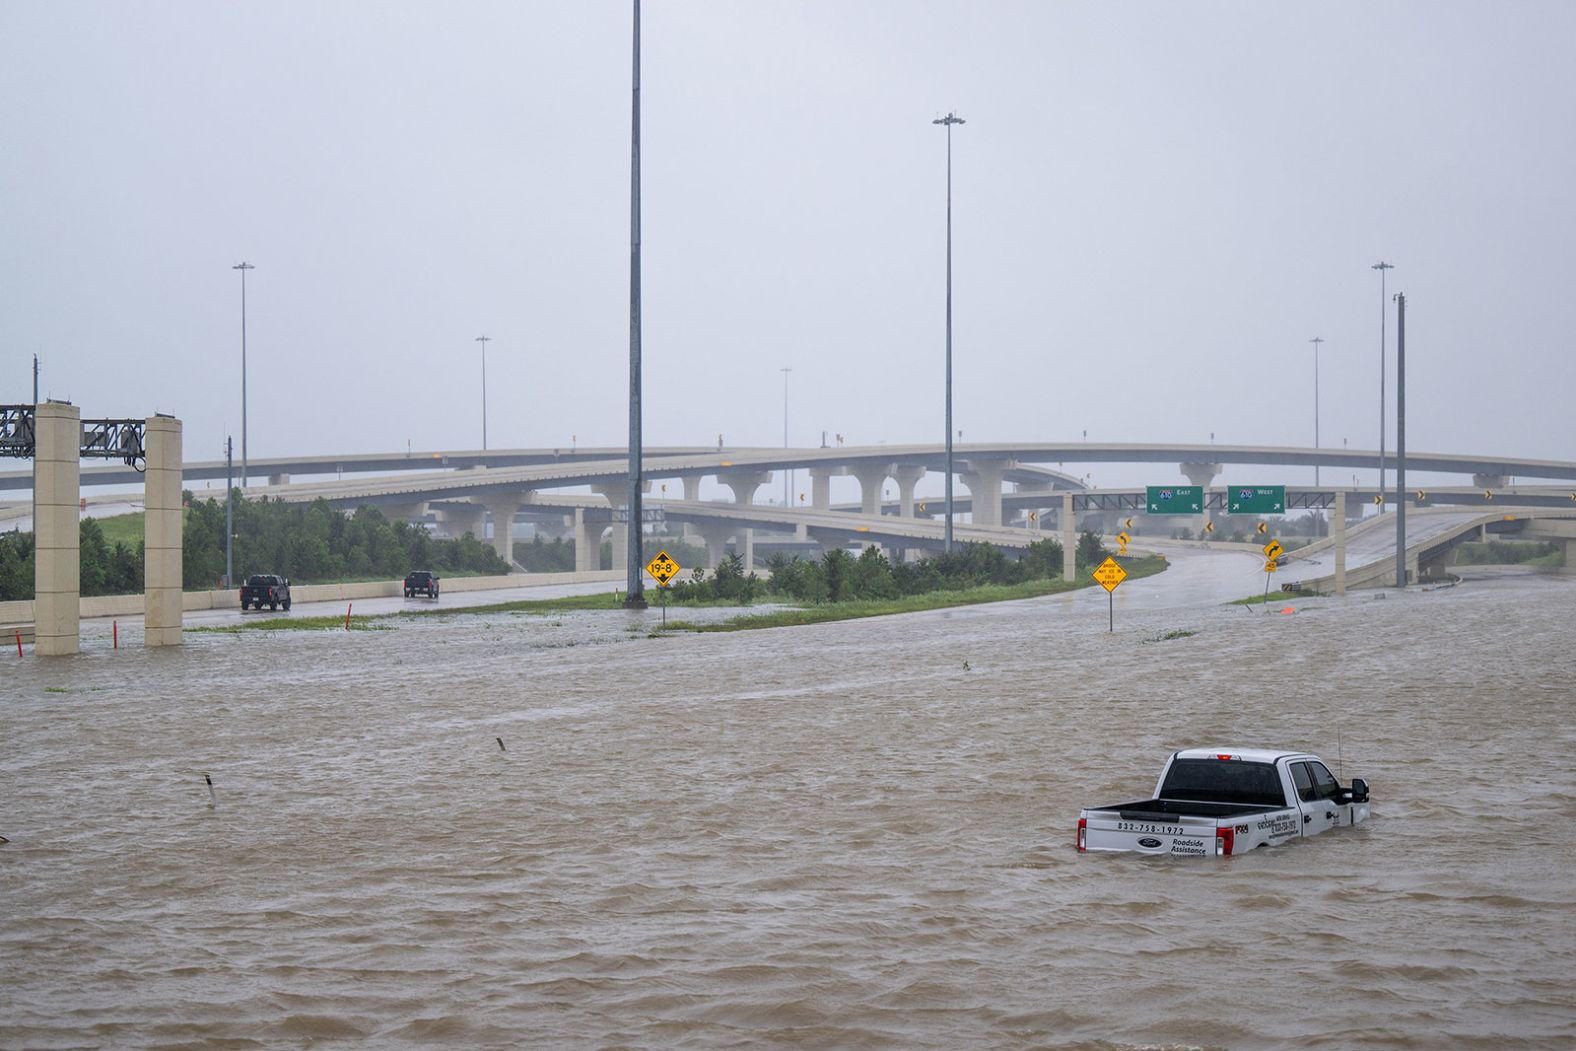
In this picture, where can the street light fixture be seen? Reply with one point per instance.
(484, 340)
(1316, 340)
(1381, 266)
(948, 121)
(243, 267)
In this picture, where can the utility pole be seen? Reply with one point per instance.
(1381, 266)
(635, 592)
(484, 340)
(949, 120)
(1316, 340)
(243, 267)
(787, 475)
(229, 512)
(1400, 439)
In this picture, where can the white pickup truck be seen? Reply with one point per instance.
(1226, 801)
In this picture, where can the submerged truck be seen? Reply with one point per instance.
(1224, 801)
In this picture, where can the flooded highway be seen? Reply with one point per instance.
(506, 830)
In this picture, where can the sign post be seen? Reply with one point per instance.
(1110, 574)
(1272, 553)
(663, 569)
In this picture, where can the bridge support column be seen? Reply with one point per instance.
(715, 535)
(457, 521)
(502, 508)
(907, 477)
(1069, 523)
(983, 477)
(588, 544)
(279, 479)
(1199, 473)
(161, 577)
(57, 565)
(744, 484)
(1340, 542)
(870, 479)
(820, 489)
(617, 495)
(691, 487)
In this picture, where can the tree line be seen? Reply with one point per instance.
(838, 576)
(309, 543)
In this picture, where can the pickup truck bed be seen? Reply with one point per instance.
(1226, 801)
(1172, 809)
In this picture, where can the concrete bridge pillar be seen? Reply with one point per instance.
(1491, 481)
(502, 508)
(907, 477)
(871, 478)
(1199, 473)
(161, 578)
(744, 484)
(691, 487)
(715, 535)
(57, 565)
(1069, 524)
(820, 488)
(983, 477)
(279, 479)
(588, 544)
(617, 495)
(457, 521)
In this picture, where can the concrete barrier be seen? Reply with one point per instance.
(21, 612)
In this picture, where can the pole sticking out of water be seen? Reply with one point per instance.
(501, 748)
(213, 800)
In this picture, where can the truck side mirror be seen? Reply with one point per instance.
(1359, 790)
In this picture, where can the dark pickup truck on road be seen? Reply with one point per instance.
(265, 587)
(421, 582)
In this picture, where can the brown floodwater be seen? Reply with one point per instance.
(851, 835)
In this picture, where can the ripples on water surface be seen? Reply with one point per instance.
(832, 836)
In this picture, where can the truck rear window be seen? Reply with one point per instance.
(1224, 781)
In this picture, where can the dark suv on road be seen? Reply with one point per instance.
(421, 582)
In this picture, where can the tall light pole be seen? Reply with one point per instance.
(634, 584)
(1381, 266)
(949, 120)
(484, 340)
(787, 475)
(243, 267)
(1400, 439)
(1316, 340)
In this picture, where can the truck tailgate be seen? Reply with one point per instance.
(1185, 836)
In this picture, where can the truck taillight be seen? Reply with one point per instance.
(1082, 832)
(1224, 839)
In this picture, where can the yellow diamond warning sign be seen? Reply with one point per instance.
(663, 568)
(1110, 574)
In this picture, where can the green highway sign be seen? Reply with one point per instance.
(1256, 500)
(1175, 499)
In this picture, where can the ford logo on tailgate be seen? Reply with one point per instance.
(1149, 843)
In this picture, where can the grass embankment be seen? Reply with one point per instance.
(780, 618)
(1273, 596)
(829, 611)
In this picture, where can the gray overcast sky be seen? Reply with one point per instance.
(1156, 206)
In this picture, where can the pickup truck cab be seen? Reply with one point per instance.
(1223, 801)
(267, 588)
(421, 582)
